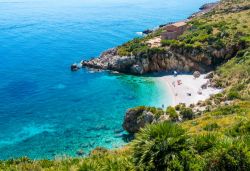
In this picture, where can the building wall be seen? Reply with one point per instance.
(171, 28)
(173, 32)
(169, 35)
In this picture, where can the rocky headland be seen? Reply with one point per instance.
(170, 59)
(163, 58)
(167, 61)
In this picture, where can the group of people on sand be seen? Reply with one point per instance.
(179, 82)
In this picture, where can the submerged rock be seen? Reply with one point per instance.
(128, 137)
(118, 135)
(108, 141)
(80, 152)
(91, 144)
(85, 145)
(98, 128)
(118, 131)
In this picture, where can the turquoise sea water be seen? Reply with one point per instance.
(45, 109)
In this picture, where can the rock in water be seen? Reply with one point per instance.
(147, 31)
(74, 67)
(137, 118)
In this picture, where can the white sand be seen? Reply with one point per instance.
(190, 85)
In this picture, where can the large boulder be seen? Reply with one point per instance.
(137, 118)
(210, 75)
(137, 69)
(196, 74)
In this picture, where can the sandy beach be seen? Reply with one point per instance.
(187, 89)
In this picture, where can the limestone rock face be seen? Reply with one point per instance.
(110, 60)
(162, 118)
(137, 69)
(172, 59)
(136, 119)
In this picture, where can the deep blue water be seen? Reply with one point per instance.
(45, 109)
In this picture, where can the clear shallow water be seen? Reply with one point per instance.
(46, 110)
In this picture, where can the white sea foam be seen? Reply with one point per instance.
(139, 33)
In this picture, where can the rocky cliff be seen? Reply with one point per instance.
(152, 62)
(169, 59)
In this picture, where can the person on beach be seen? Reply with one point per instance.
(173, 83)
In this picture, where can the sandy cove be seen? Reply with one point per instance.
(187, 89)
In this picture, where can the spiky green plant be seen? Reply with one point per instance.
(159, 147)
(233, 157)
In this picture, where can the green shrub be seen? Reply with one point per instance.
(180, 106)
(211, 127)
(205, 143)
(240, 129)
(234, 157)
(233, 95)
(159, 113)
(187, 113)
(159, 147)
(46, 163)
(168, 42)
(173, 115)
(227, 110)
(101, 159)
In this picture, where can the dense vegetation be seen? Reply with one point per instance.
(139, 46)
(217, 138)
